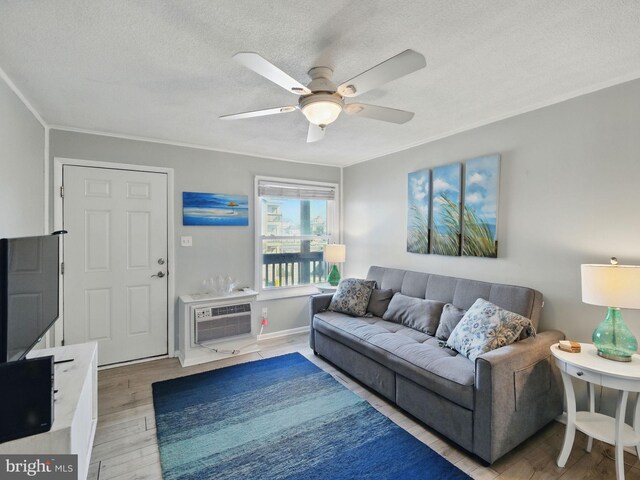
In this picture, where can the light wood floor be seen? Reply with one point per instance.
(125, 445)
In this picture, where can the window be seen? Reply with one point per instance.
(294, 221)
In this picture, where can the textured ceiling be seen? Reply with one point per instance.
(164, 69)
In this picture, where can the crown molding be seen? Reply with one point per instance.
(22, 98)
(138, 138)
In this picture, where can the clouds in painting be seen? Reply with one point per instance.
(419, 199)
(446, 182)
(481, 190)
(419, 190)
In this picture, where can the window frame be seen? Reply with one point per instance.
(333, 232)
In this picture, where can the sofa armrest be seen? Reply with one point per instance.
(317, 303)
(518, 391)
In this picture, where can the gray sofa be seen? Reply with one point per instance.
(487, 407)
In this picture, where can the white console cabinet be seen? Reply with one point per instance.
(75, 409)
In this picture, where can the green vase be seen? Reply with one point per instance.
(334, 276)
(613, 339)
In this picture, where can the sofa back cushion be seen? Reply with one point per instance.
(379, 302)
(416, 313)
(460, 292)
(451, 316)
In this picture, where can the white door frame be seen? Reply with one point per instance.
(58, 163)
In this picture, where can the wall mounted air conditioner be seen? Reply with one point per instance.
(214, 322)
(215, 327)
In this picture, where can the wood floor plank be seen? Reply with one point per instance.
(110, 470)
(130, 456)
(94, 469)
(106, 434)
(123, 415)
(121, 446)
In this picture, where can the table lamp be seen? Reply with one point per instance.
(334, 253)
(613, 286)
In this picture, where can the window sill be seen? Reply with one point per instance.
(293, 292)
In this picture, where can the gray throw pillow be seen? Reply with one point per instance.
(451, 316)
(379, 301)
(416, 313)
(352, 296)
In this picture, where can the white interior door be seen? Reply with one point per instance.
(115, 259)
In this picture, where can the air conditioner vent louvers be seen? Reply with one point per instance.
(216, 323)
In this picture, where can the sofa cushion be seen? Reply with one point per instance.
(450, 317)
(379, 302)
(352, 296)
(416, 313)
(411, 353)
(486, 327)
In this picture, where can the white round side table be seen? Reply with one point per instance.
(595, 370)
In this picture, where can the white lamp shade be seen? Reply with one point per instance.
(611, 285)
(335, 253)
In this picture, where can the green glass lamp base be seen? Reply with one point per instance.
(613, 339)
(334, 276)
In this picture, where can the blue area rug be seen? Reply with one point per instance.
(282, 418)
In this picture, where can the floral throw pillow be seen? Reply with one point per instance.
(486, 327)
(352, 296)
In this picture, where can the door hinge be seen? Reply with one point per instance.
(62, 268)
(61, 191)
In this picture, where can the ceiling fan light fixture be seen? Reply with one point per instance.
(323, 110)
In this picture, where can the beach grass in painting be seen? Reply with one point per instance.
(446, 187)
(214, 209)
(482, 179)
(418, 221)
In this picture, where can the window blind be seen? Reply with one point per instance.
(303, 191)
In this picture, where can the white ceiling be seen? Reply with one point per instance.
(164, 69)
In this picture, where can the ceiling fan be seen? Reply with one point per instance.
(321, 101)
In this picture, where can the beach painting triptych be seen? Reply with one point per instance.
(218, 209)
(453, 209)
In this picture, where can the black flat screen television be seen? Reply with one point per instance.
(29, 286)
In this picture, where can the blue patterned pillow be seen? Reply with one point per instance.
(352, 296)
(486, 327)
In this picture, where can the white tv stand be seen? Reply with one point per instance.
(76, 407)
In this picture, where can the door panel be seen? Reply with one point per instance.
(117, 224)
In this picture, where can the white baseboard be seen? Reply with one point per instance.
(283, 333)
(132, 362)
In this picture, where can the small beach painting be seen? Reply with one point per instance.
(482, 180)
(446, 199)
(215, 209)
(419, 214)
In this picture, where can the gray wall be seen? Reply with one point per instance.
(569, 194)
(216, 250)
(21, 168)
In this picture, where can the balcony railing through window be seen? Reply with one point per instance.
(292, 269)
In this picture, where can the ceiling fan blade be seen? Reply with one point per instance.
(402, 64)
(257, 113)
(378, 113)
(315, 133)
(258, 64)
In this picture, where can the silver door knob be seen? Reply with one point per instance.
(161, 261)
(159, 275)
